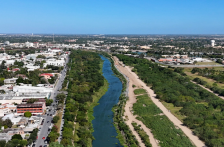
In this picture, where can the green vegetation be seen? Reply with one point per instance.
(174, 110)
(48, 102)
(33, 136)
(142, 134)
(27, 114)
(85, 81)
(139, 91)
(16, 140)
(6, 123)
(53, 136)
(31, 101)
(56, 119)
(171, 87)
(210, 73)
(60, 97)
(210, 78)
(17, 136)
(162, 128)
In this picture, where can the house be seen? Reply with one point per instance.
(7, 108)
(35, 108)
(22, 76)
(11, 81)
(9, 62)
(15, 69)
(46, 75)
(8, 133)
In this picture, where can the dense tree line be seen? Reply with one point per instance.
(203, 110)
(84, 79)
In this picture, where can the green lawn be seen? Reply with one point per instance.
(207, 63)
(139, 91)
(174, 110)
(209, 81)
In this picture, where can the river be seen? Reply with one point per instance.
(104, 130)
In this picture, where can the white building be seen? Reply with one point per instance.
(212, 43)
(28, 89)
(54, 62)
(9, 62)
(10, 81)
(28, 44)
(31, 67)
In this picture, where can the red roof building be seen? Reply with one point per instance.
(15, 69)
(35, 108)
(46, 75)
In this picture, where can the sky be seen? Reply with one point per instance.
(112, 16)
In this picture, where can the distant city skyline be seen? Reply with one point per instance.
(112, 17)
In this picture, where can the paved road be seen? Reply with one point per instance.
(47, 121)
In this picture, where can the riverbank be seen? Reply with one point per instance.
(159, 131)
(104, 131)
(128, 107)
(125, 135)
(96, 97)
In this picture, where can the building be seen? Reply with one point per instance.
(54, 62)
(38, 100)
(22, 76)
(31, 89)
(7, 108)
(8, 133)
(11, 81)
(36, 44)
(28, 44)
(15, 69)
(46, 75)
(35, 108)
(212, 43)
(31, 56)
(9, 62)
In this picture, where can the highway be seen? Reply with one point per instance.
(49, 114)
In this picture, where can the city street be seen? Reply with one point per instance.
(43, 133)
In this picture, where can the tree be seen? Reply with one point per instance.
(60, 97)
(55, 119)
(7, 123)
(55, 128)
(2, 143)
(49, 102)
(23, 143)
(141, 55)
(27, 114)
(17, 136)
(55, 144)
(31, 101)
(53, 136)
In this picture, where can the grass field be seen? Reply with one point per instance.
(174, 110)
(58, 124)
(209, 81)
(207, 63)
(139, 91)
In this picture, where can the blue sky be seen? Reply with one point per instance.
(112, 16)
